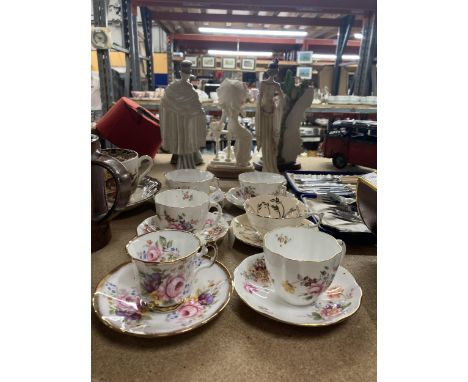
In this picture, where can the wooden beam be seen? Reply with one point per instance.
(263, 40)
(254, 19)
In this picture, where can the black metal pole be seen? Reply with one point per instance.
(345, 30)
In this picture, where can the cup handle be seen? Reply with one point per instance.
(220, 211)
(343, 249)
(203, 252)
(317, 216)
(144, 168)
(216, 180)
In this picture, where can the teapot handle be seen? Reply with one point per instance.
(123, 181)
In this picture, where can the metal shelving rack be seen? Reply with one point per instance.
(132, 79)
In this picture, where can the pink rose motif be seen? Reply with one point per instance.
(175, 285)
(316, 288)
(250, 287)
(128, 307)
(190, 309)
(154, 253)
(330, 310)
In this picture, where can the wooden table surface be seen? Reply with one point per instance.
(239, 344)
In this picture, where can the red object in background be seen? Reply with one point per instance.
(130, 126)
(353, 142)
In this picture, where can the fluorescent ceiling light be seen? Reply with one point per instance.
(216, 52)
(257, 32)
(358, 36)
(319, 56)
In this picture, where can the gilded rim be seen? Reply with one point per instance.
(295, 323)
(367, 183)
(200, 244)
(168, 334)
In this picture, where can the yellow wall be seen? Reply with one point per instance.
(118, 60)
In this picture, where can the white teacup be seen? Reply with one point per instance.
(262, 183)
(301, 262)
(184, 210)
(166, 263)
(192, 179)
(267, 212)
(137, 166)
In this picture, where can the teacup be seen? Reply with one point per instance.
(301, 262)
(267, 212)
(262, 183)
(192, 179)
(184, 210)
(137, 166)
(166, 263)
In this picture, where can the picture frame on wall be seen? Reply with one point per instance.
(304, 57)
(248, 64)
(229, 63)
(304, 72)
(193, 59)
(208, 62)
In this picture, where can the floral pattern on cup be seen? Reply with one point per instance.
(330, 310)
(313, 287)
(249, 192)
(257, 273)
(181, 223)
(161, 250)
(197, 304)
(275, 208)
(282, 239)
(186, 195)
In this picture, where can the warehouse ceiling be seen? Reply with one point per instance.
(319, 18)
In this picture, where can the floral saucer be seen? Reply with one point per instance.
(116, 303)
(236, 197)
(216, 195)
(211, 231)
(341, 300)
(243, 231)
(145, 192)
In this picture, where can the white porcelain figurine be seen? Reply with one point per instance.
(268, 118)
(182, 119)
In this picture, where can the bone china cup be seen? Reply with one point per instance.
(184, 210)
(301, 262)
(267, 212)
(137, 166)
(262, 183)
(165, 264)
(192, 179)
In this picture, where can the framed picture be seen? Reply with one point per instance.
(229, 63)
(248, 64)
(193, 59)
(304, 57)
(304, 72)
(208, 62)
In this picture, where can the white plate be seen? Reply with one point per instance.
(341, 300)
(116, 297)
(236, 197)
(244, 232)
(211, 231)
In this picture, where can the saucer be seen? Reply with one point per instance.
(145, 191)
(236, 197)
(211, 232)
(243, 231)
(216, 196)
(116, 296)
(341, 300)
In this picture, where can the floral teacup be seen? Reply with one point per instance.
(184, 210)
(166, 263)
(301, 262)
(262, 183)
(193, 179)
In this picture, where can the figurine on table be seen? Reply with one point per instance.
(183, 120)
(268, 118)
